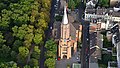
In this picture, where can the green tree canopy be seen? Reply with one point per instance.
(36, 53)
(2, 41)
(50, 63)
(23, 52)
(5, 52)
(34, 63)
(104, 3)
(22, 23)
(10, 64)
(51, 46)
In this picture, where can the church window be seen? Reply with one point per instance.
(64, 48)
(64, 52)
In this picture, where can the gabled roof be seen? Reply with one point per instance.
(76, 25)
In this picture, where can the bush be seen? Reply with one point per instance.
(106, 43)
(68, 66)
(58, 18)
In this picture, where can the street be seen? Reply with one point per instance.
(85, 39)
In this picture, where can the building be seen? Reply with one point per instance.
(112, 64)
(67, 33)
(92, 65)
(99, 14)
(118, 54)
(108, 17)
(113, 2)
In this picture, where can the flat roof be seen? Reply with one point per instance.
(93, 65)
(76, 65)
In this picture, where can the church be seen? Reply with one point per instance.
(68, 35)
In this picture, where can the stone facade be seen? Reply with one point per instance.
(70, 34)
(68, 42)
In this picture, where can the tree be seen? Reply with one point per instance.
(16, 45)
(106, 43)
(5, 52)
(9, 38)
(50, 54)
(23, 51)
(24, 32)
(23, 23)
(13, 55)
(72, 4)
(77, 3)
(2, 41)
(27, 66)
(42, 24)
(33, 62)
(36, 53)
(46, 4)
(5, 18)
(21, 57)
(38, 38)
(50, 63)
(2, 6)
(104, 3)
(51, 46)
(10, 64)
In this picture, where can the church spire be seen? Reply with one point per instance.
(65, 19)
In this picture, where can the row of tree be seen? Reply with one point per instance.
(22, 26)
(50, 54)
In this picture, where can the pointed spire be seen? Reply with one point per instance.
(65, 19)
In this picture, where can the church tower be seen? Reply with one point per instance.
(65, 26)
(65, 47)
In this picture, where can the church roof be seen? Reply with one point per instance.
(65, 19)
(76, 25)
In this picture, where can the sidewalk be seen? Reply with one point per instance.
(64, 62)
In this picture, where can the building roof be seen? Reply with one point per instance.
(117, 14)
(70, 18)
(57, 29)
(118, 5)
(91, 11)
(73, 27)
(76, 65)
(93, 39)
(103, 11)
(76, 25)
(94, 65)
(72, 32)
(114, 2)
(118, 54)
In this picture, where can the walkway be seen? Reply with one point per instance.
(64, 62)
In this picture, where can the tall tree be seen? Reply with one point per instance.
(104, 3)
(2, 41)
(10, 64)
(36, 53)
(50, 63)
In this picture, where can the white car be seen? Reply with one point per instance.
(51, 27)
(77, 58)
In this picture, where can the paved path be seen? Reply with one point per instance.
(64, 62)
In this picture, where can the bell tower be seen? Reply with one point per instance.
(64, 42)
